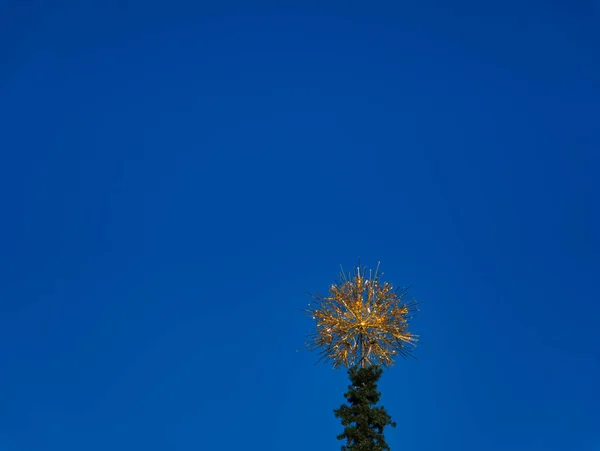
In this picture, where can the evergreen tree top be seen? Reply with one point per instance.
(363, 421)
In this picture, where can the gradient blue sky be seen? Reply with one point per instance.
(175, 176)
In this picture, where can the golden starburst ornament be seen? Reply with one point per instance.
(362, 321)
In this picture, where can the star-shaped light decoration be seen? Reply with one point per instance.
(363, 321)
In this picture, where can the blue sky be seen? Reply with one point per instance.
(176, 176)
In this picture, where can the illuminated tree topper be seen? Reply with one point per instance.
(363, 321)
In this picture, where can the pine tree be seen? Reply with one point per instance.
(363, 422)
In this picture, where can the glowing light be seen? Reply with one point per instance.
(362, 321)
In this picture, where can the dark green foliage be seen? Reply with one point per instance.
(363, 422)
